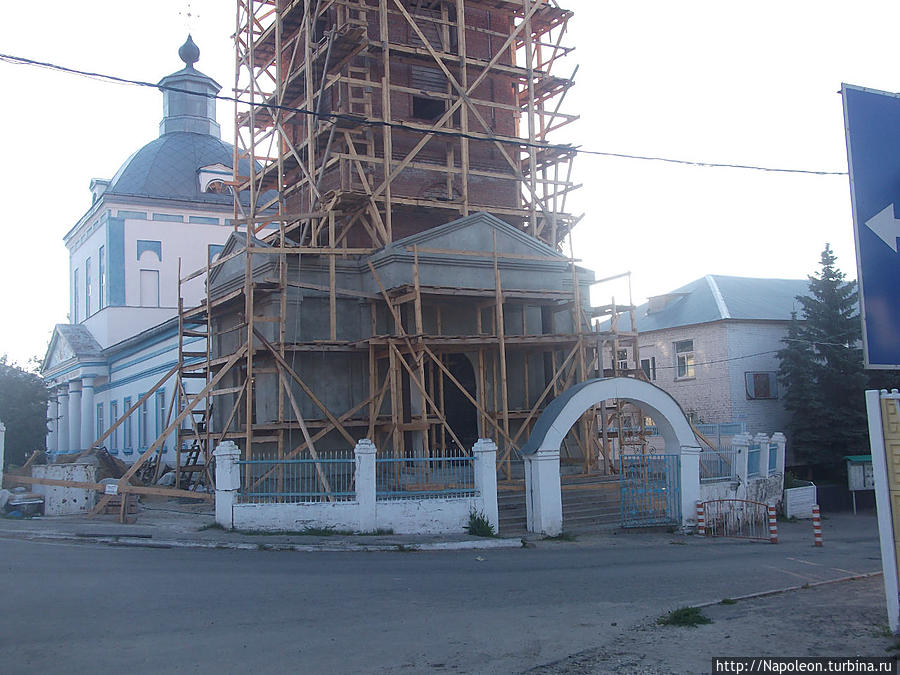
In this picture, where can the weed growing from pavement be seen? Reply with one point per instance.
(210, 526)
(375, 533)
(562, 536)
(684, 616)
(728, 601)
(479, 525)
(405, 549)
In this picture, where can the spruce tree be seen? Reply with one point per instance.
(822, 369)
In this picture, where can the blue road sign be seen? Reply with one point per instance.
(872, 124)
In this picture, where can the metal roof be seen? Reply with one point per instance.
(717, 298)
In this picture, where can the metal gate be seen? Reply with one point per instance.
(737, 518)
(650, 486)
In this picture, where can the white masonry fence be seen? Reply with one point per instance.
(356, 491)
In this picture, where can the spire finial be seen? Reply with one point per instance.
(189, 52)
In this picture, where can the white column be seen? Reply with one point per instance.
(485, 453)
(690, 484)
(88, 414)
(228, 482)
(74, 415)
(365, 485)
(62, 435)
(53, 419)
(741, 445)
(543, 492)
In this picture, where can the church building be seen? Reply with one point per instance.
(165, 213)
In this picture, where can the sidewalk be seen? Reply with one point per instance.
(166, 524)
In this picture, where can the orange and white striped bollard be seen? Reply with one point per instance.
(701, 519)
(817, 525)
(773, 526)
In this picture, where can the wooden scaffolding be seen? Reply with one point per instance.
(358, 123)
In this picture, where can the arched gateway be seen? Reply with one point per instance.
(541, 452)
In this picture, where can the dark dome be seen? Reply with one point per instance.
(167, 168)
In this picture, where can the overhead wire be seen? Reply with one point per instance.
(21, 60)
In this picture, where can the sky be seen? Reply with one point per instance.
(745, 83)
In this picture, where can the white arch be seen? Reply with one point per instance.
(565, 410)
(541, 453)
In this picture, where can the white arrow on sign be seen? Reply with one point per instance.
(885, 226)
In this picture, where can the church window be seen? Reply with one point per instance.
(101, 273)
(114, 436)
(127, 428)
(75, 292)
(98, 431)
(87, 287)
(160, 413)
(144, 424)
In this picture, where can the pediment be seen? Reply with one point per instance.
(479, 232)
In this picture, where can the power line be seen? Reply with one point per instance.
(21, 60)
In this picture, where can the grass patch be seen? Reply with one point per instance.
(479, 525)
(562, 536)
(684, 616)
(210, 526)
(894, 646)
(402, 548)
(728, 601)
(375, 533)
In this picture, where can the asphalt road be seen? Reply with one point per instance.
(75, 608)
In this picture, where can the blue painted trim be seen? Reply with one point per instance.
(127, 426)
(146, 373)
(134, 215)
(168, 218)
(203, 220)
(153, 246)
(50, 375)
(147, 357)
(159, 337)
(115, 251)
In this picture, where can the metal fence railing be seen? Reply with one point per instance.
(753, 468)
(424, 477)
(718, 465)
(328, 478)
(738, 518)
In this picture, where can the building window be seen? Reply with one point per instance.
(427, 108)
(684, 359)
(101, 278)
(149, 288)
(99, 429)
(87, 287)
(75, 291)
(761, 385)
(649, 368)
(621, 359)
(161, 414)
(113, 439)
(127, 428)
(144, 424)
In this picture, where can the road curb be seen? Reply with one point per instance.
(788, 589)
(144, 542)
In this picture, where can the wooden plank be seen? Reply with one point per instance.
(100, 487)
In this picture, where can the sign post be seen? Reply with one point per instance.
(872, 126)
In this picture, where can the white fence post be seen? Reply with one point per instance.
(779, 440)
(690, 483)
(543, 492)
(228, 482)
(741, 445)
(485, 452)
(365, 484)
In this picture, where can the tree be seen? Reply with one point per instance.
(822, 371)
(23, 409)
